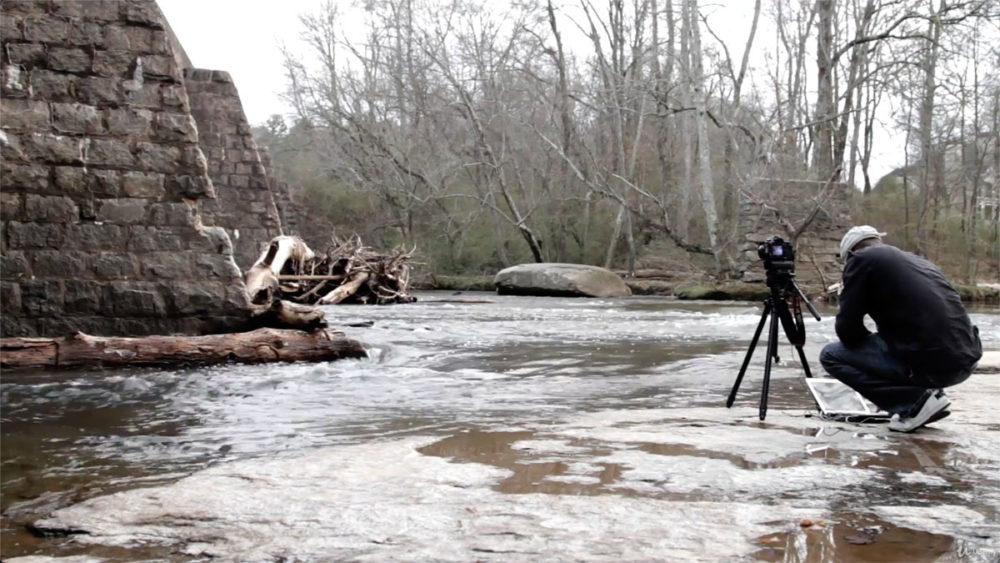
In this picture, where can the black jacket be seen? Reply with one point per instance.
(917, 312)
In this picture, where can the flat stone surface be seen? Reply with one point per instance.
(989, 363)
(683, 483)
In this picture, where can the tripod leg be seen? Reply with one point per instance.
(746, 359)
(802, 358)
(772, 351)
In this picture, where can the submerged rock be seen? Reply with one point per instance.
(560, 280)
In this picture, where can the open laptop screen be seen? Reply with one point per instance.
(838, 400)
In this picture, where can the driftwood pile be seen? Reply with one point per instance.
(348, 272)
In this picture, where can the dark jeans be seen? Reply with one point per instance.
(870, 369)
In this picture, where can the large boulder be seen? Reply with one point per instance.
(562, 280)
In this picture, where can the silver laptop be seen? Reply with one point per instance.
(839, 402)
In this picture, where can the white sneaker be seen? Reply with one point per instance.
(933, 409)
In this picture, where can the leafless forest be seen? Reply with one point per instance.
(490, 133)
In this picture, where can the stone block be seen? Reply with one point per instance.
(55, 149)
(14, 264)
(194, 158)
(159, 43)
(10, 28)
(96, 237)
(10, 298)
(114, 266)
(183, 185)
(130, 122)
(165, 265)
(197, 298)
(236, 302)
(59, 264)
(10, 146)
(144, 239)
(14, 81)
(122, 211)
(213, 240)
(159, 158)
(72, 59)
(160, 67)
(71, 180)
(76, 182)
(104, 183)
(86, 33)
(50, 209)
(114, 153)
(99, 91)
(52, 86)
(27, 54)
(116, 38)
(11, 206)
(94, 10)
(143, 184)
(70, 325)
(174, 97)
(81, 297)
(171, 214)
(28, 236)
(114, 63)
(144, 326)
(87, 207)
(77, 118)
(24, 177)
(176, 127)
(146, 40)
(238, 181)
(216, 266)
(16, 325)
(145, 96)
(21, 114)
(46, 29)
(41, 298)
(142, 12)
(131, 299)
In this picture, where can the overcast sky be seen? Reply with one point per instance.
(243, 37)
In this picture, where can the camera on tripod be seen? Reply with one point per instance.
(783, 305)
(778, 255)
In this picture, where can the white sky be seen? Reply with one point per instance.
(243, 37)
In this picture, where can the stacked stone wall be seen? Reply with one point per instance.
(249, 202)
(783, 204)
(102, 179)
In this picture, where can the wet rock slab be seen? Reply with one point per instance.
(637, 484)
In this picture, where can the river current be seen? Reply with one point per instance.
(445, 364)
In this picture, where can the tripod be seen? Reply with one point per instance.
(783, 291)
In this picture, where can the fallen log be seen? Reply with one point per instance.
(344, 291)
(257, 346)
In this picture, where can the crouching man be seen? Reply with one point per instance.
(925, 341)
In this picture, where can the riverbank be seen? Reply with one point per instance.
(688, 288)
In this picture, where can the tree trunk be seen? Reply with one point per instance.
(707, 190)
(823, 162)
(258, 346)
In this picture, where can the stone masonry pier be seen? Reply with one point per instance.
(122, 182)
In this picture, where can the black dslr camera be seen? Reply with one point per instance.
(778, 255)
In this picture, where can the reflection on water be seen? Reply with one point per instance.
(435, 368)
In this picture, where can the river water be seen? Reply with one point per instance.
(559, 410)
